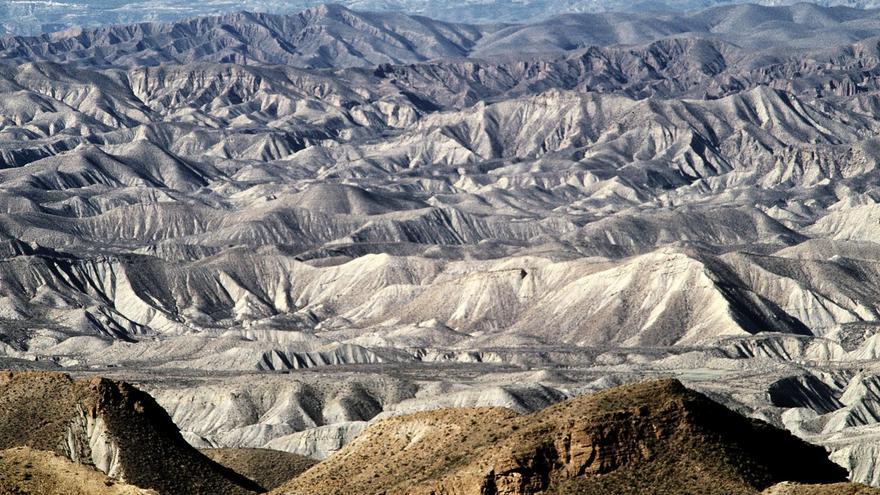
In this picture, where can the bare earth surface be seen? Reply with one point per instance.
(27, 471)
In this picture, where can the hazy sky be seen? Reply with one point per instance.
(35, 16)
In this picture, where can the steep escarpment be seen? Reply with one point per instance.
(112, 426)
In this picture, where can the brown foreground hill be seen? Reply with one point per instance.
(649, 438)
(112, 426)
(27, 471)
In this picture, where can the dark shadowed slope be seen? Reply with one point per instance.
(268, 468)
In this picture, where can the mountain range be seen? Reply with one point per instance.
(332, 36)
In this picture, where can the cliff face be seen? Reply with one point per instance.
(655, 436)
(110, 425)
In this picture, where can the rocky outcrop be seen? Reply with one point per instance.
(111, 426)
(653, 435)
